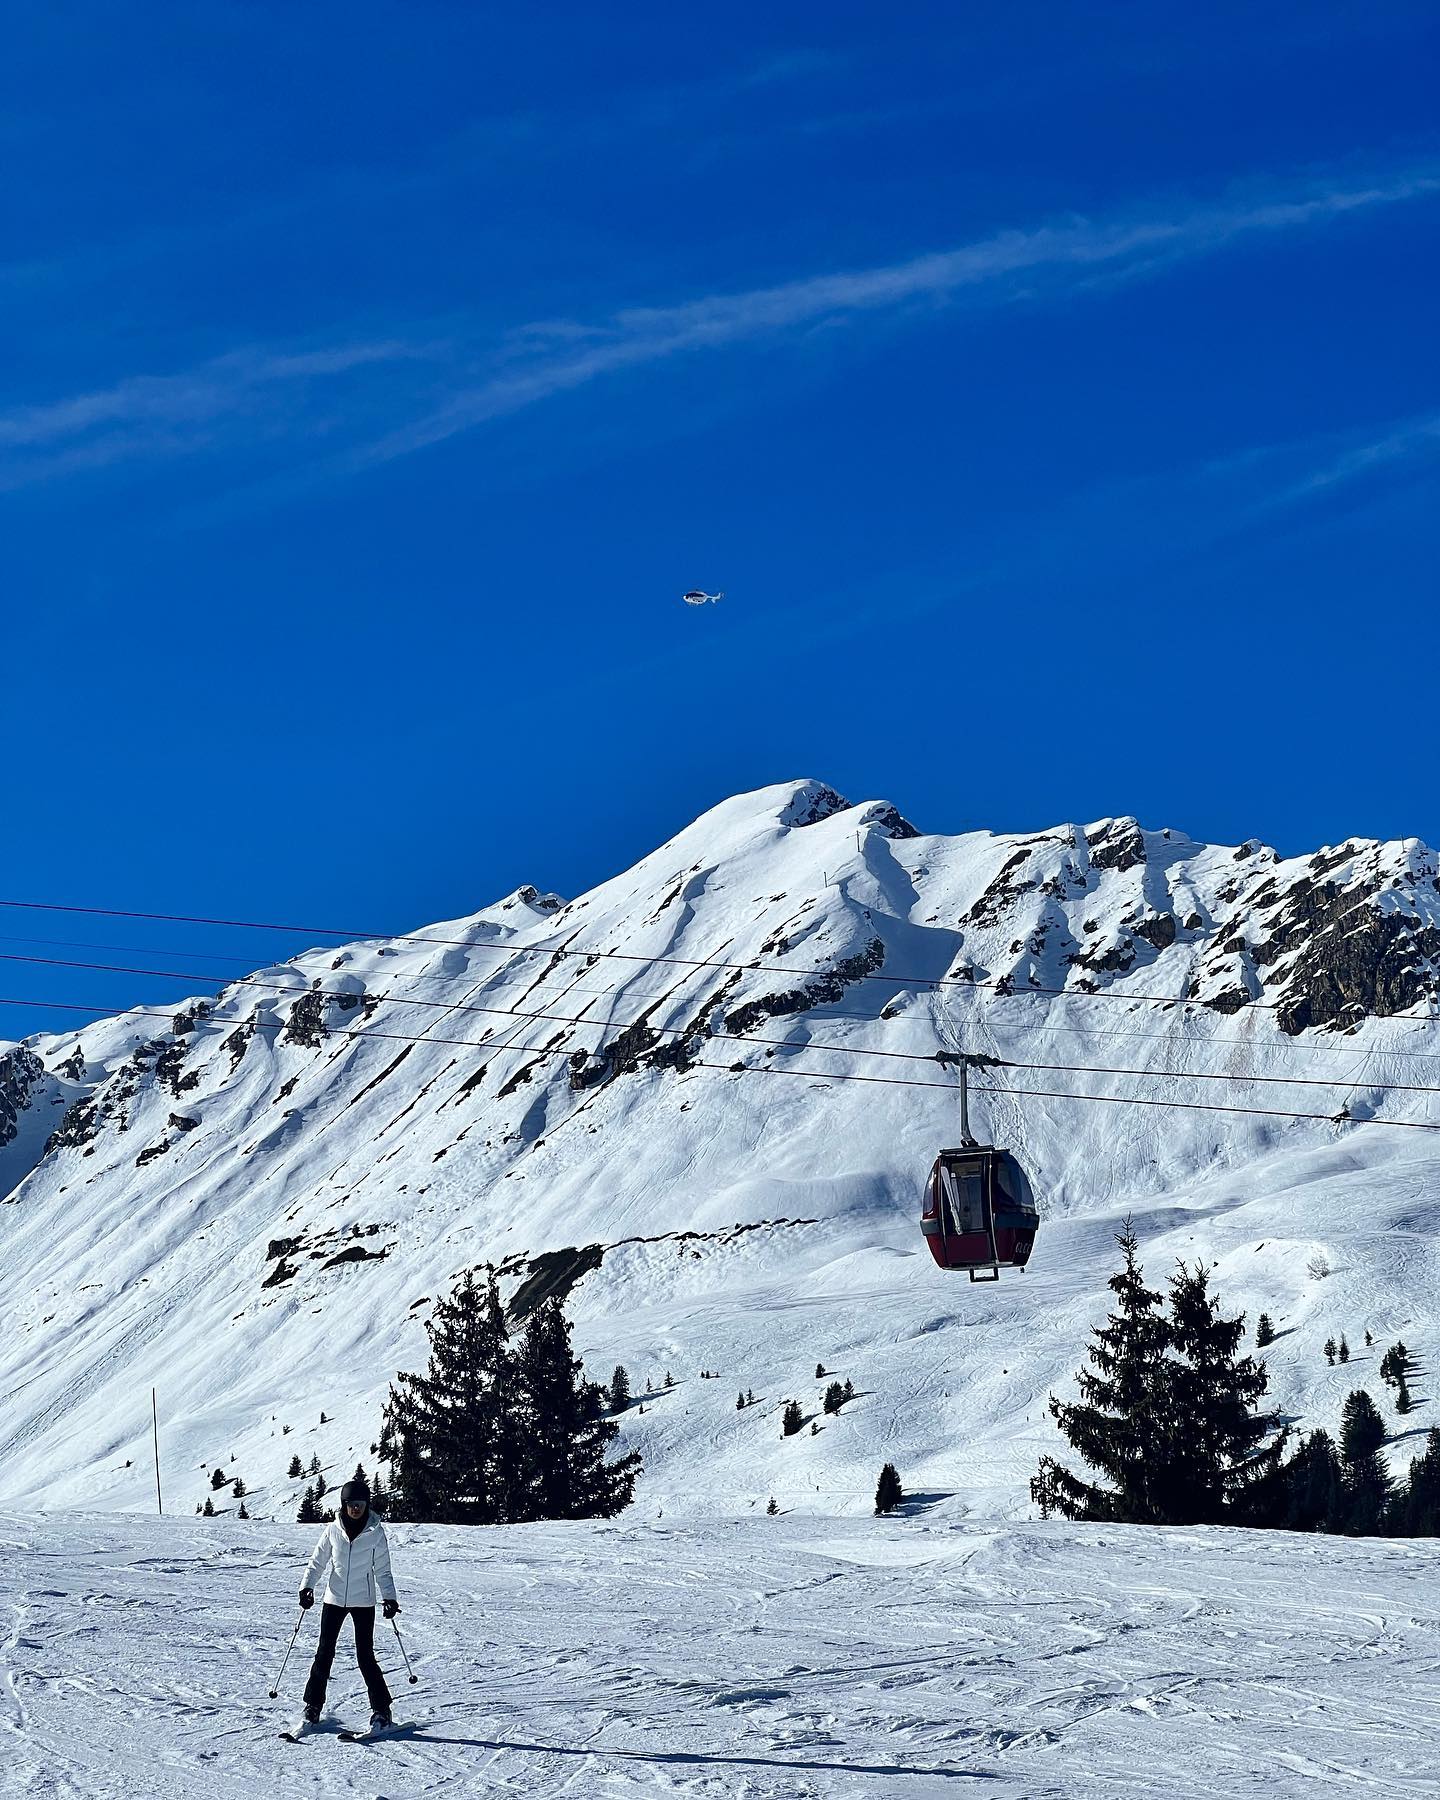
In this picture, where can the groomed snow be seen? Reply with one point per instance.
(786, 1657)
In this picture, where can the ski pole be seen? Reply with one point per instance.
(404, 1652)
(275, 1691)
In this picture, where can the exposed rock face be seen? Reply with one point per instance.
(812, 803)
(825, 989)
(20, 1072)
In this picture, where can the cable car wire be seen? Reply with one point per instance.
(681, 1031)
(1285, 1045)
(1002, 984)
(545, 1051)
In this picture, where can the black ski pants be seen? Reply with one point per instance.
(331, 1619)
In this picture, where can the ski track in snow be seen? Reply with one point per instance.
(788, 1657)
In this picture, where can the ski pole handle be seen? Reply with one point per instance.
(414, 1678)
(275, 1689)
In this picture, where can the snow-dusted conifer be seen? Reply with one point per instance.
(295, 1471)
(791, 1419)
(834, 1397)
(218, 1479)
(450, 1435)
(619, 1388)
(1118, 1421)
(1343, 1349)
(564, 1474)
(1264, 1331)
(1215, 1466)
(1330, 1351)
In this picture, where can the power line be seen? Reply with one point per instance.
(544, 1051)
(681, 1031)
(1001, 984)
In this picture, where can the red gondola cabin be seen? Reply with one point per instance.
(979, 1212)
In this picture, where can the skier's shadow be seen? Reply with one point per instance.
(695, 1759)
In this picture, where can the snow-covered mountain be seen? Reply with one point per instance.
(251, 1204)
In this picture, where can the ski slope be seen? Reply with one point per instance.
(787, 1657)
(691, 1073)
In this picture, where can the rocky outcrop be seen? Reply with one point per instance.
(21, 1072)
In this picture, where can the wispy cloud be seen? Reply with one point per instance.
(363, 402)
(1414, 441)
(992, 270)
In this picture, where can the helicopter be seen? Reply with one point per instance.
(698, 597)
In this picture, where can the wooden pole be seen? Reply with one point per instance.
(155, 1429)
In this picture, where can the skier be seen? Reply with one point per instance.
(355, 1551)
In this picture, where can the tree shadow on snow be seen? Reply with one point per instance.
(930, 1497)
(696, 1759)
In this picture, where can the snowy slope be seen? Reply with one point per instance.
(767, 1659)
(251, 1206)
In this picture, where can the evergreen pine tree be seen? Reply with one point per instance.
(749, 1396)
(1369, 1340)
(1330, 1351)
(791, 1419)
(242, 1514)
(1402, 1397)
(360, 1474)
(1362, 1430)
(1344, 1350)
(238, 1489)
(564, 1474)
(1314, 1486)
(1419, 1507)
(379, 1496)
(217, 1480)
(450, 1436)
(314, 1468)
(849, 1391)
(1215, 1466)
(1367, 1481)
(295, 1470)
(1264, 1331)
(209, 1508)
(619, 1389)
(772, 1508)
(739, 1403)
(669, 1379)
(819, 1371)
(309, 1513)
(1367, 1493)
(888, 1492)
(1117, 1421)
(834, 1397)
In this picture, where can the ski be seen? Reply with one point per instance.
(372, 1735)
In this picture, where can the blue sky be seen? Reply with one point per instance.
(1053, 391)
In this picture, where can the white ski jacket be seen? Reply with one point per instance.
(359, 1567)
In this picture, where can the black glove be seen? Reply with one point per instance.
(391, 1608)
(307, 1599)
